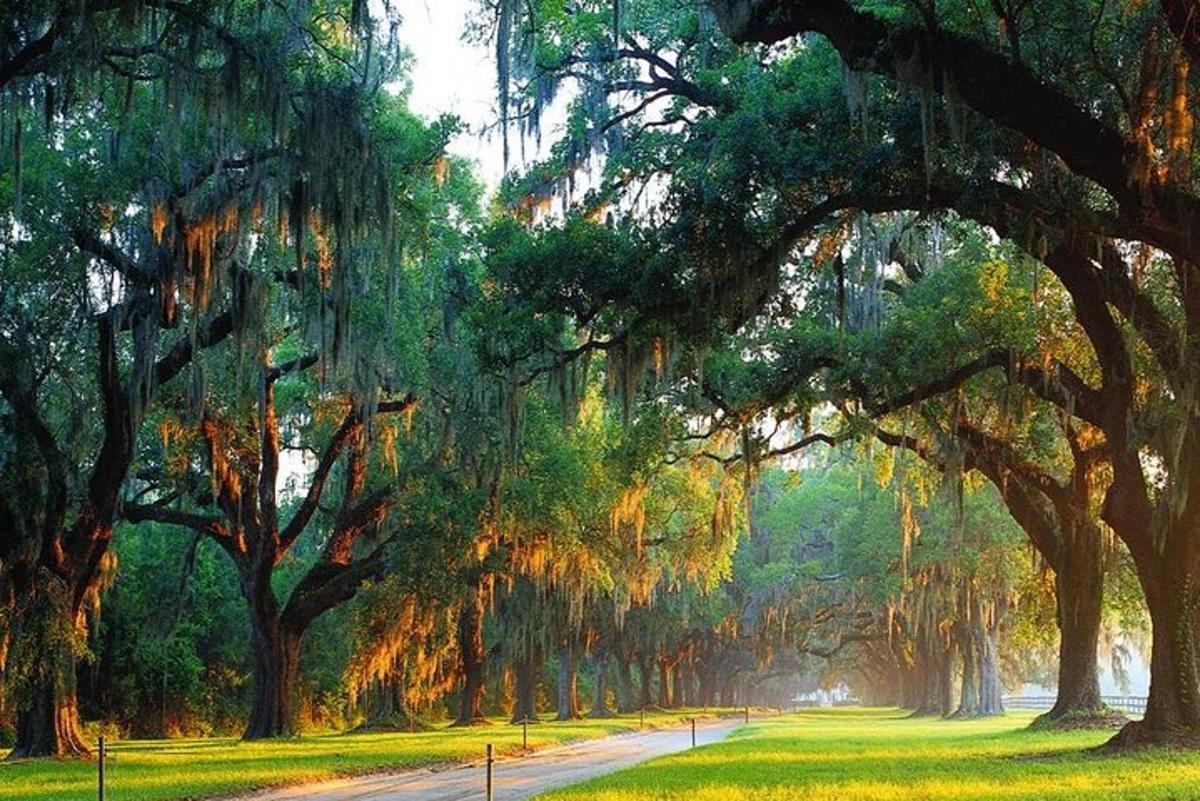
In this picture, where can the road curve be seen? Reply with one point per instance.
(514, 778)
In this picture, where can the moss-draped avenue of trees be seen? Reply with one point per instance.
(803, 345)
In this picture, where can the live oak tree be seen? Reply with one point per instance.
(317, 374)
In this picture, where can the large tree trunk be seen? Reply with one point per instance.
(664, 682)
(1079, 589)
(600, 694)
(688, 669)
(471, 659)
(925, 677)
(910, 686)
(946, 683)
(968, 648)
(568, 675)
(276, 652)
(729, 688)
(525, 674)
(389, 710)
(1173, 706)
(678, 691)
(49, 725)
(934, 675)
(987, 632)
(48, 712)
(706, 673)
(625, 698)
(646, 681)
(4, 640)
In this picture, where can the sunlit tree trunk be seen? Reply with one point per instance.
(4, 640)
(47, 711)
(48, 720)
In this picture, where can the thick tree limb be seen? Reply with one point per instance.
(181, 353)
(327, 584)
(352, 422)
(1061, 387)
(204, 524)
(1022, 485)
(88, 242)
(987, 80)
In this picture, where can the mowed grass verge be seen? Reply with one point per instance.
(172, 770)
(883, 755)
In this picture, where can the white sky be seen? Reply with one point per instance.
(451, 76)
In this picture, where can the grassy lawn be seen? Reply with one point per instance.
(858, 754)
(169, 770)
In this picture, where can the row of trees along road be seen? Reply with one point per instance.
(790, 145)
(244, 306)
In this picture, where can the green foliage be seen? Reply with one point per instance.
(173, 623)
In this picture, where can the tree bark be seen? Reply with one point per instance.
(664, 682)
(687, 669)
(4, 640)
(1173, 706)
(49, 725)
(276, 651)
(1079, 589)
(568, 675)
(729, 687)
(924, 679)
(968, 649)
(600, 707)
(48, 718)
(525, 673)
(678, 688)
(909, 689)
(471, 658)
(646, 680)
(987, 632)
(706, 673)
(946, 683)
(625, 697)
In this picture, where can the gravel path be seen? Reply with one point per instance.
(514, 778)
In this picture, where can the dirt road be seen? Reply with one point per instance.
(514, 777)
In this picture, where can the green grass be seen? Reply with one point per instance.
(170, 770)
(880, 754)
